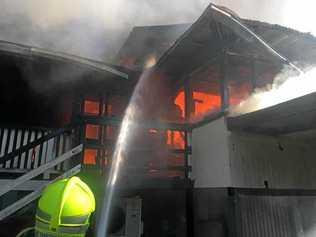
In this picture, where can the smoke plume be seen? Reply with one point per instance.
(97, 28)
(284, 88)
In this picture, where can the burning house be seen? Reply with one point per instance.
(208, 149)
(252, 163)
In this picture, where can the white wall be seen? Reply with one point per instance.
(210, 156)
(221, 159)
(283, 162)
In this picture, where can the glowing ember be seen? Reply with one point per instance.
(292, 88)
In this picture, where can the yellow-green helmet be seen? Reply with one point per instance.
(64, 209)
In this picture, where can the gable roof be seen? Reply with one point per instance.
(214, 33)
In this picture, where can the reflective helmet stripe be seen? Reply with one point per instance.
(42, 227)
(39, 234)
(65, 220)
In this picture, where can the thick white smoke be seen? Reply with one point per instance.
(284, 88)
(97, 28)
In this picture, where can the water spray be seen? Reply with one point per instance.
(118, 157)
(133, 114)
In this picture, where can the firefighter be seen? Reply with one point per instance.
(63, 210)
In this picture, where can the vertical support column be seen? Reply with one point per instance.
(189, 200)
(224, 82)
(99, 157)
(186, 156)
(77, 108)
(232, 215)
(189, 190)
(1, 138)
(82, 128)
(105, 129)
(188, 98)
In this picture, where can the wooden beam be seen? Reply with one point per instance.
(144, 124)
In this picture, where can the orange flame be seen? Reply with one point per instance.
(91, 107)
(90, 156)
(175, 139)
(204, 103)
(180, 102)
(92, 131)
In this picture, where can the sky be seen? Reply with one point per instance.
(97, 28)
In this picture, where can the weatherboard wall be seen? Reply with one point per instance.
(224, 159)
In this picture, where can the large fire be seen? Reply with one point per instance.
(203, 103)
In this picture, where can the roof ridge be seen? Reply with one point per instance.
(253, 23)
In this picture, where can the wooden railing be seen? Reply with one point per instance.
(40, 153)
(27, 149)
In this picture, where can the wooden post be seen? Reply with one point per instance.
(82, 129)
(189, 200)
(104, 134)
(188, 101)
